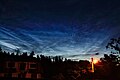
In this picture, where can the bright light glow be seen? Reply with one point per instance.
(95, 61)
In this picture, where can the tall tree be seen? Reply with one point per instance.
(0, 49)
(32, 54)
(114, 44)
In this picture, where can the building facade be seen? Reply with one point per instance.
(18, 69)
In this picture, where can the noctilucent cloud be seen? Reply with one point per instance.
(75, 29)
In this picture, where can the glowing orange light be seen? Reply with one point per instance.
(95, 61)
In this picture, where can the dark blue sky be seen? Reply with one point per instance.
(71, 28)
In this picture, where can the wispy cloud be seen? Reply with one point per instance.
(9, 45)
(83, 42)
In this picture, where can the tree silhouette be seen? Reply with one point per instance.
(18, 52)
(111, 62)
(114, 44)
(110, 66)
(0, 49)
(32, 54)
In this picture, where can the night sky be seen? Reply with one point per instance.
(75, 29)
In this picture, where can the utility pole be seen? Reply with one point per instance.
(92, 65)
(93, 62)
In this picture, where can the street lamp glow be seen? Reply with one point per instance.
(95, 61)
